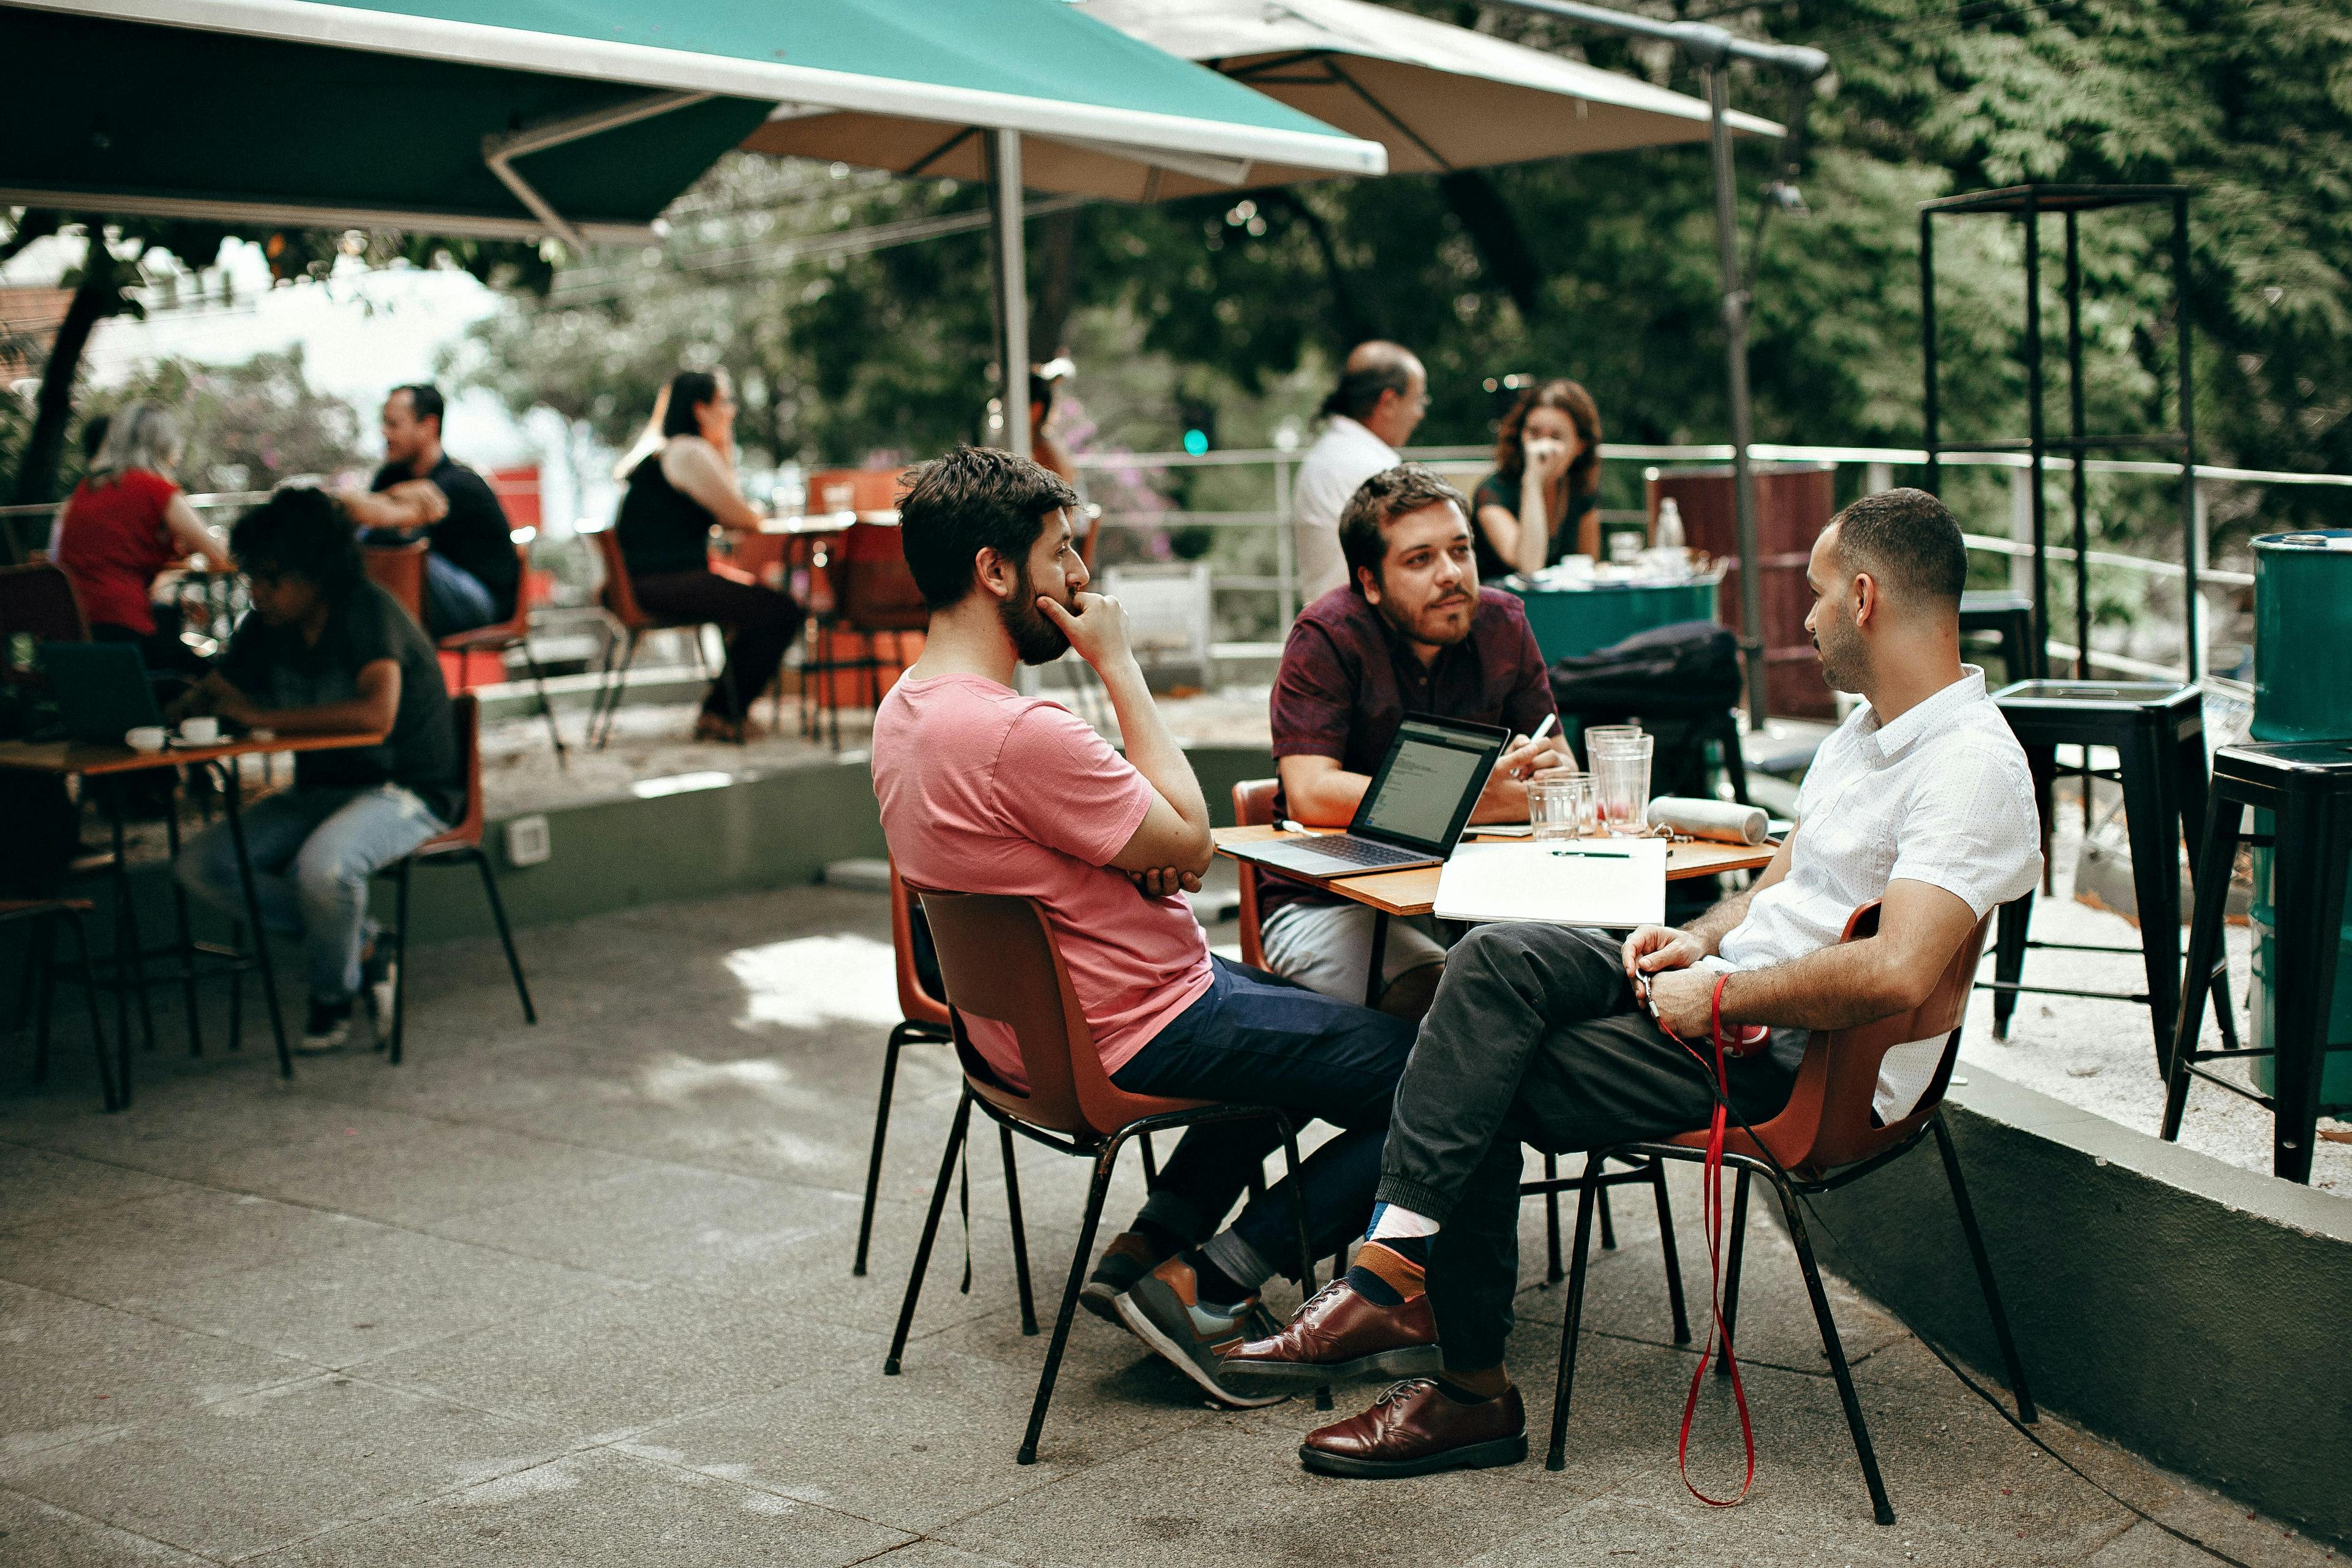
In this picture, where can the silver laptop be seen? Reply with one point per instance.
(1427, 785)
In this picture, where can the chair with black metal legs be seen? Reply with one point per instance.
(620, 597)
(45, 914)
(500, 637)
(1822, 1139)
(1253, 807)
(1000, 963)
(459, 846)
(924, 1020)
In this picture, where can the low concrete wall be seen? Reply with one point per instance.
(2192, 1311)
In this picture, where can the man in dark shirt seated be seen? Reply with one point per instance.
(326, 651)
(471, 576)
(1412, 632)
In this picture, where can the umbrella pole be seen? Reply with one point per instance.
(1735, 332)
(1005, 221)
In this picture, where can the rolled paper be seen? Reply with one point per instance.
(1726, 821)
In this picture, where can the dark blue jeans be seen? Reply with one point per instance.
(1255, 1038)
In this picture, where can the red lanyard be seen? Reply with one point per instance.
(1712, 1204)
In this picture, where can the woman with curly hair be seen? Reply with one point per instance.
(1540, 501)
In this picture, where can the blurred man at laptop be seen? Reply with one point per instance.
(1411, 632)
(326, 652)
(1558, 1037)
(983, 790)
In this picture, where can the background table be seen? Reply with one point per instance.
(98, 759)
(1568, 622)
(1414, 893)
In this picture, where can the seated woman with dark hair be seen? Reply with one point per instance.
(1540, 501)
(677, 492)
(326, 652)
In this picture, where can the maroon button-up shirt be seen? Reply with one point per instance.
(1348, 679)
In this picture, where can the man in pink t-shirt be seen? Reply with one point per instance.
(986, 790)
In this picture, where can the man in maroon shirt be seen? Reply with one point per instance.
(1412, 632)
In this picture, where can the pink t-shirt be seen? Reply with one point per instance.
(986, 790)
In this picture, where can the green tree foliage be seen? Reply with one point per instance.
(246, 426)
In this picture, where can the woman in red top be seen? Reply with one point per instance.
(123, 525)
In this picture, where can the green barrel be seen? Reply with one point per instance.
(1570, 622)
(2303, 692)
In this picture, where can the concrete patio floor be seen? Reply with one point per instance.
(581, 1294)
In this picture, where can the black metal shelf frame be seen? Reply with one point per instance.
(2027, 205)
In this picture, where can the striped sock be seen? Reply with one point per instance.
(1390, 1273)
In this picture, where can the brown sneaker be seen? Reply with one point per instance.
(1417, 1428)
(1339, 1334)
(1164, 1311)
(1128, 1258)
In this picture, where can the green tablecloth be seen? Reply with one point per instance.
(1572, 621)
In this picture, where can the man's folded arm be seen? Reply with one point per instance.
(1848, 983)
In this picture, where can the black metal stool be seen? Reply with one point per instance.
(2010, 618)
(2158, 730)
(2307, 788)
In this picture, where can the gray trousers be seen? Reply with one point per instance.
(1535, 1039)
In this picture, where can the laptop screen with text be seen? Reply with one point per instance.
(1416, 797)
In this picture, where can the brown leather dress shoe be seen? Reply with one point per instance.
(1339, 1333)
(1417, 1428)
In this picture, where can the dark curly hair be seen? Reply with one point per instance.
(974, 498)
(1510, 444)
(303, 532)
(1380, 501)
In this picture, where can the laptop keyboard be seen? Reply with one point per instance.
(1361, 851)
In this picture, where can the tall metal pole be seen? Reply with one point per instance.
(1735, 332)
(2080, 489)
(2192, 552)
(2038, 437)
(1934, 412)
(1010, 255)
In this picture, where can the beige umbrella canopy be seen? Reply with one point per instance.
(1437, 97)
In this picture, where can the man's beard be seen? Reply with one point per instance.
(1410, 628)
(1844, 665)
(1035, 639)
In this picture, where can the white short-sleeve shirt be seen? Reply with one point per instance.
(1342, 459)
(1941, 795)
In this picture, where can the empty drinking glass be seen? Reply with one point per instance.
(1600, 734)
(1620, 771)
(1561, 807)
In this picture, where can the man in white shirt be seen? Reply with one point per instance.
(1558, 1037)
(1381, 396)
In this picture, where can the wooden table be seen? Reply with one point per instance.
(100, 759)
(1414, 893)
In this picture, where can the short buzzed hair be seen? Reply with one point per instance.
(1380, 500)
(425, 401)
(1908, 541)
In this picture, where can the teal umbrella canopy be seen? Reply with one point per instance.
(583, 119)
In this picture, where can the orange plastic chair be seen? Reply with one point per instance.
(1253, 807)
(874, 596)
(460, 845)
(924, 1020)
(399, 569)
(621, 601)
(1000, 962)
(1823, 1139)
(511, 633)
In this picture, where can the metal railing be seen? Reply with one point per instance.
(1146, 477)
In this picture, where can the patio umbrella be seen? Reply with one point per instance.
(581, 119)
(578, 118)
(1437, 97)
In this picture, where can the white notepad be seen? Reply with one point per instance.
(1580, 882)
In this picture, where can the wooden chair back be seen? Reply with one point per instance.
(399, 569)
(874, 591)
(1827, 1122)
(916, 1004)
(1000, 962)
(1253, 807)
(39, 601)
(619, 594)
(466, 713)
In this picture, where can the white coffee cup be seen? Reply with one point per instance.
(145, 738)
(200, 732)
